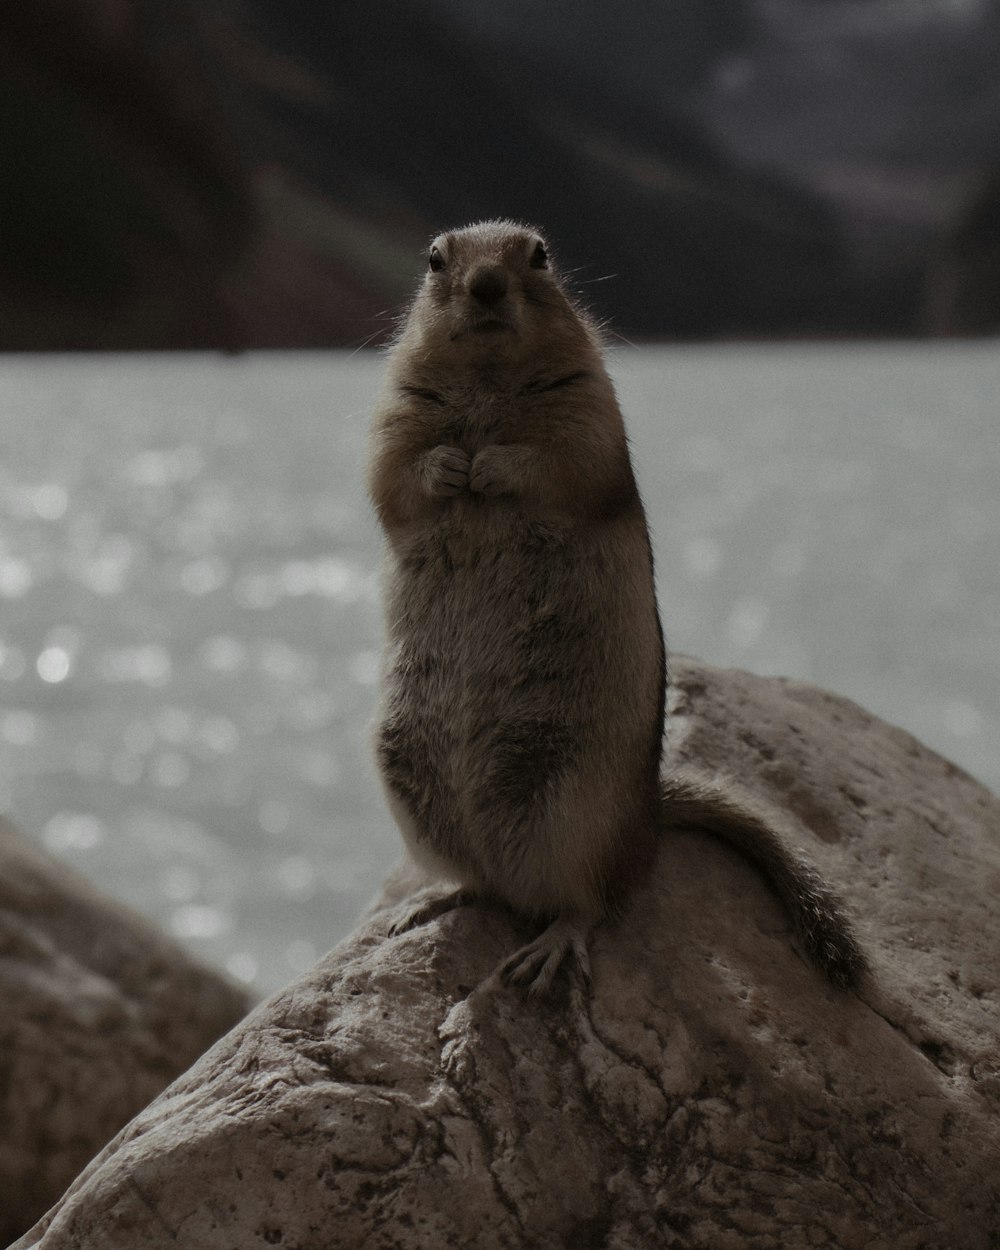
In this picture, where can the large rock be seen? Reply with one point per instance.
(712, 1092)
(99, 1013)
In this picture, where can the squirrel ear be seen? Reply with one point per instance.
(539, 258)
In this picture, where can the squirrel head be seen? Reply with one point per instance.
(492, 295)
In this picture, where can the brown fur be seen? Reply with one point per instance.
(523, 690)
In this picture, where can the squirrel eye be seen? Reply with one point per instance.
(539, 258)
(435, 261)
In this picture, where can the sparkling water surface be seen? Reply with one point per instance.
(189, 617)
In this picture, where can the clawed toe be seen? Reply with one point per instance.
(427, 909)
(410, 919)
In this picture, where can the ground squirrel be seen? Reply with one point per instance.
(521, 728)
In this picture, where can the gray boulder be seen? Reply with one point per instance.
(712, 1092)
(99, 1013)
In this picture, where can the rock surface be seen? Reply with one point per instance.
(712, 1092)
(100, 1012)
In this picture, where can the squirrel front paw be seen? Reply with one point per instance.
(490, 473)
(446, 470)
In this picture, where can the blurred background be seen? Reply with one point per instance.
(248, 173)
(786, 211)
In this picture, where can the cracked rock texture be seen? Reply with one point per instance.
(712, 1092)
(99, 1013)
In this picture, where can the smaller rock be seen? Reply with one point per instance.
(100, 1013)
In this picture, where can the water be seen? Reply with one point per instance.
(189, 621)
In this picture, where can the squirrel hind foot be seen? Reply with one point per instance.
(535, 965)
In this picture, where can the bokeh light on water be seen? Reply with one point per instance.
(189, 620)
(189, 642)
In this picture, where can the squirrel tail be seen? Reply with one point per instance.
(819, 916)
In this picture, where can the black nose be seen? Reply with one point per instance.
(488, 285)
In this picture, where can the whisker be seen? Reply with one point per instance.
(392, 316)
(617, 334)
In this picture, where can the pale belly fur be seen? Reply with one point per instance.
(519, 706)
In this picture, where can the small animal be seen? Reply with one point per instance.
(521, 728)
